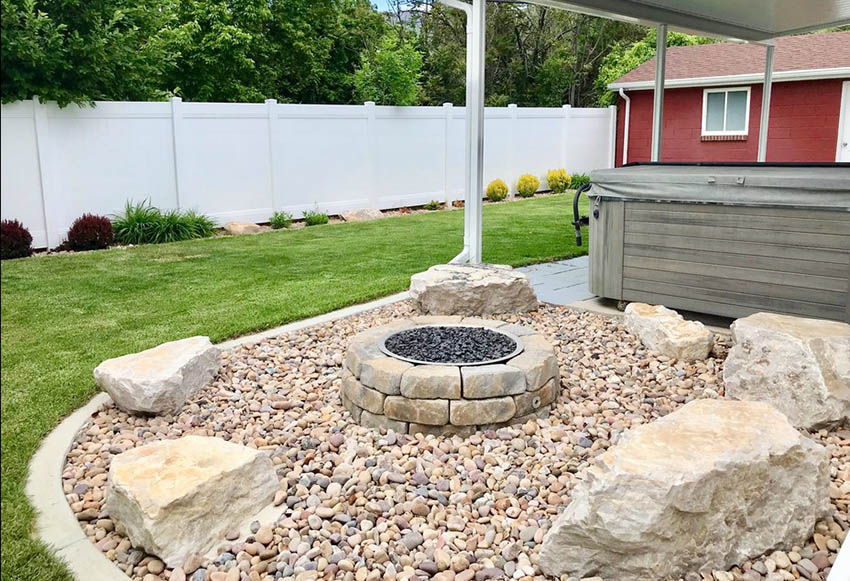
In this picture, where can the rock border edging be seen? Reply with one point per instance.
(55, 523)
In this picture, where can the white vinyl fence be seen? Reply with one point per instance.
(243, 161)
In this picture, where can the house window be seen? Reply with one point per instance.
(726, 111)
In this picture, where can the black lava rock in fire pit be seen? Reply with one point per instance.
(437, 344)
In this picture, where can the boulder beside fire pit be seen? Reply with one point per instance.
(439, 375)
(465, 289)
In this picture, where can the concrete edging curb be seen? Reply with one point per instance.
(55, 523)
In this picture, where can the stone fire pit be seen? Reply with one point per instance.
(438, 375)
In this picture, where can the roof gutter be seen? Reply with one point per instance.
(748, 78)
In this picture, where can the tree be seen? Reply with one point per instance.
(222, 46)
(536, 56)
(390, 76)
(217, 50)
(317, 45)
(625, 57)
(82, 51)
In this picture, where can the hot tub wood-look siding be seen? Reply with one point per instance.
(728, 260)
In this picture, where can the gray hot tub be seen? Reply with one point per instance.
(724, 239)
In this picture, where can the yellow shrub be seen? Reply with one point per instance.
(527, 185)
(497, 190)
(559, 180)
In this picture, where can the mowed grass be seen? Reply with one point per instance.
(63, 314)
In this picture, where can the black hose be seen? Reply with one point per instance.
(577, 221)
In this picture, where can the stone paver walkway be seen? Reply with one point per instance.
(562, 282)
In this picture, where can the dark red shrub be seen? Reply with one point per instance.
(90, 232)
(15, 240)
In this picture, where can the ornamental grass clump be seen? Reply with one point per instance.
(579, 179)
(280, 220)
(142, 223)
(90, 232)
(527, 185)
(312, 218)
(497, 190)
(558, 180)
(15, 240)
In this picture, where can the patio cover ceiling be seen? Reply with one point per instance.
(749, 20)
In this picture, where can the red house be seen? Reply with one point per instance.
(712, 102)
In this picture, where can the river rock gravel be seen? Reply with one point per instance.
(358, 505)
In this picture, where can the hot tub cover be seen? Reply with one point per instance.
(804, 186)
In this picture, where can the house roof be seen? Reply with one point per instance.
(795, 58)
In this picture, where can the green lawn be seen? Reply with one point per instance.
(63, 314)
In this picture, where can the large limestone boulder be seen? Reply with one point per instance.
(706, 487)
(177, 497)
(801, 366)
(240, 228)
(362, 215)
(160, 379)
(667, 332)
(454, 289)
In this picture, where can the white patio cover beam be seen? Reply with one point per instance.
(765, 103)
(658, 96)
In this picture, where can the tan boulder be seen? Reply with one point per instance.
(362, 215)
(240, 228)
(159, 380)
(455, 289)
(665, 331)
(706, 487)
(801, 366)
(173, 498)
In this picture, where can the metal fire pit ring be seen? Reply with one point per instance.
(382, 346)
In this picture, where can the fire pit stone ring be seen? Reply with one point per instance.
(448, 375)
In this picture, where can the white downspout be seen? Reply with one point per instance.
(463, 256)
(658, 92)
(626, 116)
(765, 103)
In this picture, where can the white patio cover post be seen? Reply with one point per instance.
(475, 170)
(463, 256)
(765, 103)
(658, 96)
(474, 151)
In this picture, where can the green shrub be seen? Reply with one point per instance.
(15, 240)
(579, 179)
(497, 190)
(558, 180)
(433, 205)
(312, 218)
(280, 220)
(142, 223)
(527, 185)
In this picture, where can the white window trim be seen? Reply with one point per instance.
(705, 110)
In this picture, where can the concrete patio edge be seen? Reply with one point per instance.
(55, 523)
